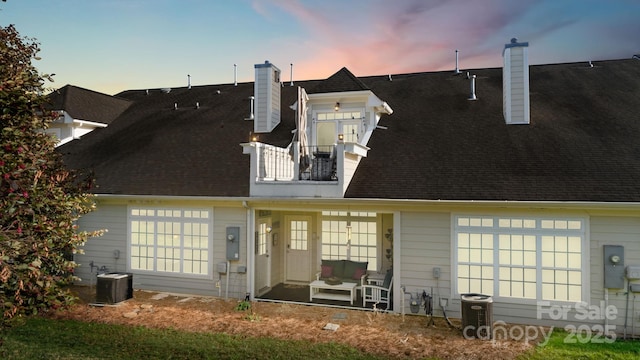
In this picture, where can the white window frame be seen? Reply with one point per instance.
(339, 237)
(262, 246)
(182, 220)
(490, 224)
(342, 119)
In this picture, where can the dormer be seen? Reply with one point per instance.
(343, 106)
(80, 111)
(339, 117)
(348, 117)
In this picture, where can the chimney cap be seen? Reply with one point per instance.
(514, 43)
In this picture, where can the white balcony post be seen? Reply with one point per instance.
(296, 161)
(340, 163)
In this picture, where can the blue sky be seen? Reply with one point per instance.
(115, 45)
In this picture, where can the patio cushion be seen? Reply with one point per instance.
(337, 265)
(327, 271)
(387, 279)
(350, 268)
(358, 273)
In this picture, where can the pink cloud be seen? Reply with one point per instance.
(415, 35)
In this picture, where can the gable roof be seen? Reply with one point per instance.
(84, 104)
(342, 81)
(581, 144)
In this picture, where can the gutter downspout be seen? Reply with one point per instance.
(250, 254)
(606, 306)
(226, 286)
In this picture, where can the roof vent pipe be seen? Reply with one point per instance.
(235, 74)
(457, 71)
(390, 78)
(291, 83)
(251, 115)
(473, 88)
(189, 81)
(197, 105)
(175, 106)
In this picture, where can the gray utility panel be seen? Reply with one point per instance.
(613, 266)
(233, 243)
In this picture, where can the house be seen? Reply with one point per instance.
(519, 182)
(80, 111)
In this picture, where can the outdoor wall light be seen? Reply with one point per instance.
(337, 107)
(268, 229)
(340, 137)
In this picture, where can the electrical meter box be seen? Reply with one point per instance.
(613, 266)
(233, 242)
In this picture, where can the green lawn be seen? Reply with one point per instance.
(39, 338)
(558, 348)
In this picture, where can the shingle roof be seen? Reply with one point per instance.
(341, 81)
(581, 144)
(87, 104)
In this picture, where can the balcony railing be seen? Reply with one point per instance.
(274, 163)
(281, 164)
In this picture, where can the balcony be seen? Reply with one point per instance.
(276, 172)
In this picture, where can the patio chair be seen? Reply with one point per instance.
(378, 294)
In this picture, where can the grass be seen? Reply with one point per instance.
(39, 338)
(558, 348)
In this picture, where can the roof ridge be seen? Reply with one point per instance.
(341, 81)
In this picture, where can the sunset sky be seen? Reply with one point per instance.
(115, 45)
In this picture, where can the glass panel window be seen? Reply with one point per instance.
(350, 236)
(329, 125)
(170, 240)
(262, 239)
(525, 258)
(326, 136)
(299, 231)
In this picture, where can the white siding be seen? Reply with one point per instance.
(609, 230)
(351, 162)
(425, 244)
(100, 250)
(267, 97)
(114, 219)
(515, 75)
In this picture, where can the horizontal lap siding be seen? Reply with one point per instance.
(623, 231)
(114, 219)
(425, 244)
(222, 218)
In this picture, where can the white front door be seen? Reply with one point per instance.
(298, 259)
(263, 259)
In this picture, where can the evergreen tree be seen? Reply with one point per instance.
(40, 199)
